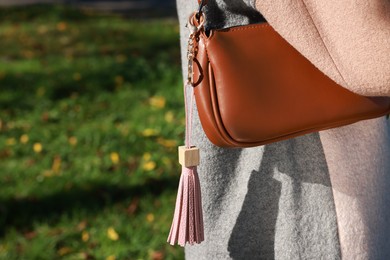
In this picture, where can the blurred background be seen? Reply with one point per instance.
(91, 113)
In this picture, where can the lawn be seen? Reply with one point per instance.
(91, 112)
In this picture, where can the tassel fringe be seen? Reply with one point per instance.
(187, 225)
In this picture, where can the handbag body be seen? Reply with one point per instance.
(253, 88)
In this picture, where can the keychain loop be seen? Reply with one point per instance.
(195, 26)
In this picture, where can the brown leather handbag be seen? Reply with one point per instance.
(253, 88)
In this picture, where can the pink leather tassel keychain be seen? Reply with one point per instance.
(187, 225)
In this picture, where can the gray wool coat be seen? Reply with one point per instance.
(319, 196)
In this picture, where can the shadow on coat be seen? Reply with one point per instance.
(253, 236)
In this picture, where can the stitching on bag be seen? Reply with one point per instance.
(323, 42)
(247, 27)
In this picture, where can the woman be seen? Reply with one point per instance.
(318, 196)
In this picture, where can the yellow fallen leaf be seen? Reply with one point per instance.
(157, 102)
(56, 166)
(150, 217)
(72, 140)
(85, 236)
(48, 174)
(156, 255)
(149, 132)
(37, 147)
(112, 234)
(111, 257)
(64, 251)
(10, 141)
(167, 143)
(147, 156)
(149, 166)
(62, 26)
(24, 138)
(114, 156)
(169, 117)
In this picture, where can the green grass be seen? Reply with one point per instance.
(91, 111)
